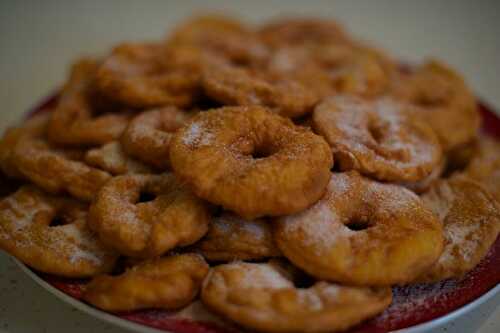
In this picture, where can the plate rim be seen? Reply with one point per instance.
(139, 328)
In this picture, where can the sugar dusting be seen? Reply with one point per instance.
(196, 134)
(331, 291)
(235, 226)
(260, 276)
(21, 215)
(440, 200)
(319, 225)
(310, 300)
(461, 240)
(347, 121)
(76, 244)
(406, 300)
(113, 159)
(72, 243)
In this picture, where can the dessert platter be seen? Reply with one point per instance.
(286, 177)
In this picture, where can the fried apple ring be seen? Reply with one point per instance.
(378, 138)
(445, 102)
(141, 76)
(113, 159)
(251, 161)
(330, 69)
(485, 165)
(148, 135)
(302, 31)
(358, 227)
(471, 220)
(233, 85)
(222, 37)
(32, 128)
(263, 297)
(74, 121)
(55, 171)
(232, 238)
(175, 217)
(69, 249)
(164, 283)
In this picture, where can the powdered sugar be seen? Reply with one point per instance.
(379, 133)
(331, 291)
(192, 134)
(78, 255)
(462, 240)
(197, 135)
(411, 301)
(339, 185)
(260, 276)
(319, 225)
(113, 159)
(440, 200)
(310, 300)
(235, 226)
(21, 215)
(74, 243)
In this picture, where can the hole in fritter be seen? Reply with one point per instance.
(146, 197)
(57, 221)
(358, 225)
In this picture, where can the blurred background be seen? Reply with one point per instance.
(39, 39)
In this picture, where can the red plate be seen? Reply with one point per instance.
(411, 306)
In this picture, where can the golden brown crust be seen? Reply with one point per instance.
(378, 138)
(444, 101)
(164, 283)
(425, 184)
(231, 85)
(175, 217)
(234, 110)
(70, 249)
(232, 238)
(32, 128)
(56, 171)
(148, 135)
(74, 121)
(220, 37)
(213, 154)
(484, 166)
(330, 69)
(471, 223)
(358, 227)
(112, 158)
(263, 297)
(141, 75)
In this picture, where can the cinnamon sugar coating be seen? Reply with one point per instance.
(70, 249)
(164, 283)
(378, 138)
(471, 223)
(263, 297)
(170, 216)
(251, 161)
(358, 227)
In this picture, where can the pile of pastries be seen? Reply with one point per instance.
(287, 175)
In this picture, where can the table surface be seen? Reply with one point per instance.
(39, 39)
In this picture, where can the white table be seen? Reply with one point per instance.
(39, 39)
